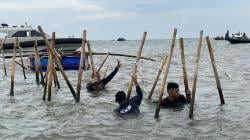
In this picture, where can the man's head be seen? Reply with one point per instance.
(173, 90)
(120, 96)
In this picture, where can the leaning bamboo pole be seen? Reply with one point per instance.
(185, 73)
(2, 50)
(157, 77)
(81, 66)
(12, 76)
(136, 64)
(105, 72)
(98, 70)
(198, 53)
(91, 60)
(21, 58)
(210, 49)
(57, 62)
(165, 74)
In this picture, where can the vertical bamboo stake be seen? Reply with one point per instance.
(57, 62)
(81, 66)
(215, 71)
(91, 60)
(45, 82)
(36, 62)
(165, 74)
(21, 57)
(157, 77)
(103, 62)
(185, 74)
(136, 63)
(12, 76)
(55, 77)
(198, 53)
(51, 63)
(2, 48)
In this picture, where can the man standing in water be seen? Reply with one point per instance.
(99, 84)
(174, 98)
(131, 105)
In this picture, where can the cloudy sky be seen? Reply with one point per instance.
(110, 19)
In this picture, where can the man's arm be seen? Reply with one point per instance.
(138, 98)
(112, 74)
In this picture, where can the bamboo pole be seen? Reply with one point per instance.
(81, 66)
(136, 63)
(99, 53)
(157, 77)
(165, 74)
(38, 64)
(51, 67)
(105, 72)
(103, 62)
(2, 50)
(57, 62)
(45, 84)
(215, 70)
(20, 53)
(12, 76)
(185, 73)
(198, 53)
(56, 78)
(91, 60)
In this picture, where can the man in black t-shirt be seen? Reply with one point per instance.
(99, 84)
(131, 105)
(174, 98)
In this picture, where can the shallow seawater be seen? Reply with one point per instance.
(27, 116)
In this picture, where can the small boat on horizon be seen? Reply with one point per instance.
(27, 35)
(219, 38)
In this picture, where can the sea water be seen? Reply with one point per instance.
(27, 116)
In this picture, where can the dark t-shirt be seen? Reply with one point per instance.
(132, 105)
(102, 83)
(181, 100)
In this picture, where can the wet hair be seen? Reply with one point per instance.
(89, 86)
(172, 85)
(120, 96)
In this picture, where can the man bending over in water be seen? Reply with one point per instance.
(99, 84)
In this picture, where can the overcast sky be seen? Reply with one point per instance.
(110, 19)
